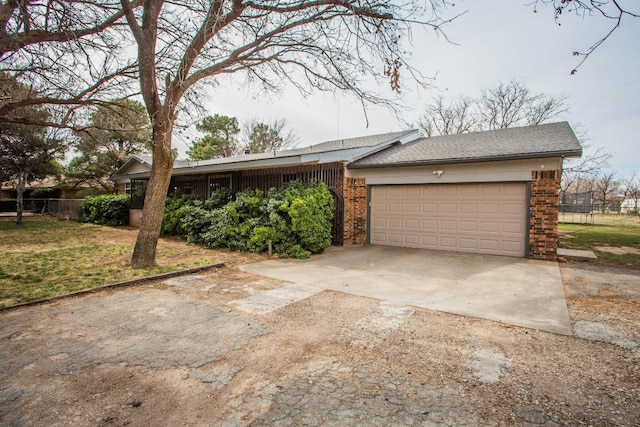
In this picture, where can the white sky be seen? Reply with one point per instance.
(496, 42)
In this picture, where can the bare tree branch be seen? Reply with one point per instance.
(608, 9)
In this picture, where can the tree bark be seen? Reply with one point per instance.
(144, 252)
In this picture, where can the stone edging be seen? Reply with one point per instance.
(114, 285)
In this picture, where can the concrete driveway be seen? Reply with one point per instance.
(514, 291)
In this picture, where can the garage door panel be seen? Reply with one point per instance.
(513, 227)
(394, 238)
(513, 209)
(447, 242)
(490, 208)
(412, 207)
(468, 243)
(395, 223)
(490, 226)
(412, 223)
(429, 207)
(511, 246)
(492, 245)
(470, 191)
(429, 225)
(449, 208)
(379, 238)
(395, 207)
(412, 192)
(519, 191)
(450, 191)
(484, 218)
(468, 208)
(489, 191)
(412, 240)
(448, 225)
(395, 193)
(379, 222)
(428, 191)
(468, 226)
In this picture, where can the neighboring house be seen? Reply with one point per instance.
(493, 192)
(629, 206)
(61, 190)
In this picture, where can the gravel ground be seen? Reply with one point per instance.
(185, 352)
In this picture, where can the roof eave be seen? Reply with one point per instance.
(116, 175)
(408, 137)
(564, 153)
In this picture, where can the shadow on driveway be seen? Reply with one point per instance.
(514, 291)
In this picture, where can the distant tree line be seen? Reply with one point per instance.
(223, 137)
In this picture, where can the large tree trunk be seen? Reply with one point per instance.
(144, 253)
(20, 197)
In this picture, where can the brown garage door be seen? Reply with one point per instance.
(480, 218)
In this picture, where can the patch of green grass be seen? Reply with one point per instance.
(47, 257)
(605, 231)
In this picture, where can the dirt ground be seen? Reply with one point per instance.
(181, 352)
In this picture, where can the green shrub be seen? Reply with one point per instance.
(174, 211)
(218, 199)
(296, 219)
(296, 251)
(108, 209)
(196, 221)
(311, 211)
(260, 237)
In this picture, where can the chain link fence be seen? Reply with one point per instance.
(60, 208)
(65, 208)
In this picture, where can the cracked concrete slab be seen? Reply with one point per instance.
(266, 302)
(514, 291)
(130, 327)
(488, 365)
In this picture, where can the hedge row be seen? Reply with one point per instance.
(296, 219)
(108, 209)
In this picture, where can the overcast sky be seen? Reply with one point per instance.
(496, 41)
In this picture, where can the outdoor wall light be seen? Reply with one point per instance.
(438, 173)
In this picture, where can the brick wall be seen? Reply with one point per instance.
(355, 211)
(543, 229)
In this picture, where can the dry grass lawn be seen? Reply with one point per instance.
(47, 257)
(615, 239)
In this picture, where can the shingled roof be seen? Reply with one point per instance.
(547, 140)
(339, 150)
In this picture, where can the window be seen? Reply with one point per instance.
(219, 182)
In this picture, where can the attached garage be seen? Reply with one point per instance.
(489, 218)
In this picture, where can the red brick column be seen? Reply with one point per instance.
(543, 228)
(355, 211)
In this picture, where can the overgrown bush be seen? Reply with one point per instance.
(296, 219)
(108, 209)
(311, 211)
(174, 210)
